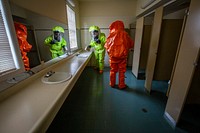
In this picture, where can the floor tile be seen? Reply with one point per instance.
(94, 107)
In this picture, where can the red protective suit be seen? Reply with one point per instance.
(117, 45)
(25, 47)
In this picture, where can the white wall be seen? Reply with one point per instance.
(102, 13)
(175, 15)
(54, 9)
(141, 3)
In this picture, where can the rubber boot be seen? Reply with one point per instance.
(100, 71)
(112, 79)
(122, 84)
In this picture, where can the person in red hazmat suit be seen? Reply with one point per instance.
(98, 42)
(25, 47)
(117, 45)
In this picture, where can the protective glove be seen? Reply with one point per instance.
(64, 48)
(131, 49)
(53, 41)
(98, 41)
(87, 48)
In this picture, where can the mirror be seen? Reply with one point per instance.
(38, 29)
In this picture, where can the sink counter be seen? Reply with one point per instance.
(34, 105)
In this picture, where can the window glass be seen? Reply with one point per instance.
(72, 28)
(10, 62)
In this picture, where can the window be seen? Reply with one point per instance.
(72, 28)
(10, 57)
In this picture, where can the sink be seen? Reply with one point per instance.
(56, 77)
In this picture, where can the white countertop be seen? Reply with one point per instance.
(35, 104)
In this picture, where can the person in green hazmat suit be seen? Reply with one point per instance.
(56, 42)
(98, 41)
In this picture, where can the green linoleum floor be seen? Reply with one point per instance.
(94, 107)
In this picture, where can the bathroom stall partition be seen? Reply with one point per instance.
(184, 72)
(190, 116)
(131, 32)
(169, 37)
(146, 36)
(193, 96)
(142, 42)
(137, 46)
(153, 48)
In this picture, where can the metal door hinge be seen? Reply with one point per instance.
(195, 64)
(187, 12)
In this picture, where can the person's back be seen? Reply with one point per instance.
(118, 42)
(117, 45)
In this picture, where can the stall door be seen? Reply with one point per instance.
(153, 47)
(137, 46)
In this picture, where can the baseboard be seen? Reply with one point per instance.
(170, 120)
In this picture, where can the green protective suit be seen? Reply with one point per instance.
(99, 48)
(56, 47)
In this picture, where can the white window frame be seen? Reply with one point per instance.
(71, 17)
(12, 42)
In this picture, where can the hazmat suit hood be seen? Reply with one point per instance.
(93, 28)
(116, 26)
(95, 33)
(58, 33)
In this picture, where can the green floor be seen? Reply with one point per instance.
(94, 107)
